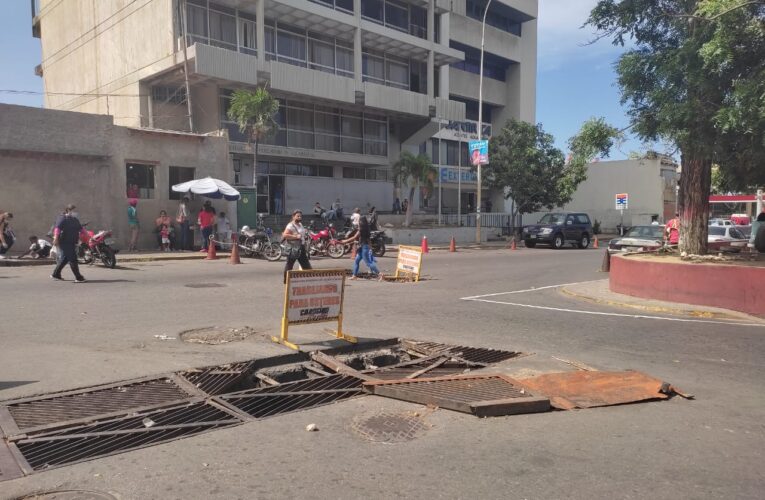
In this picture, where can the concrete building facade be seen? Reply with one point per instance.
(358, 82)
(51, 158)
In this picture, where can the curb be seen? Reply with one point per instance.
(135, 258)
(694, 313)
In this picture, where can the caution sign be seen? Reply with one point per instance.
(313, 296)
(409, 262)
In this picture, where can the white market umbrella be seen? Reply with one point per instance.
(209, 187)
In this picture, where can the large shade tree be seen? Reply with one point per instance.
(416, 172)
(254, 112)
(694, 75)
(527, 167)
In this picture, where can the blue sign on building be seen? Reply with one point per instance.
(479, 152)
(450, 175)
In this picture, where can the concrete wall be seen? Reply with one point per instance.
(436, 236)
(51, 158)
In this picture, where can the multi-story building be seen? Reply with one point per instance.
(358, 82)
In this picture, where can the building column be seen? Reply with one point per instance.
(431, 20)
(358, 72)
(260, 28)
(431, 74)
(443, 76)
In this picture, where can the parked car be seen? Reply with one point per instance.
(726, 238)
(557, 229)
(720, 222)
(638, 238)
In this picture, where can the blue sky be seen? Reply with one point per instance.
(574, 82)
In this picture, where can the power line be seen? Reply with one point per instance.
(76, 94)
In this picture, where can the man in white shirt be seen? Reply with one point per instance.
(39, 248)
(294, 236)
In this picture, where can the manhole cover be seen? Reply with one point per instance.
(69, 495)
(216, 334)
(388, 427)
(205, 285)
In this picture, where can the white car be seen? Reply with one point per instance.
(721, 222)
(726, 237)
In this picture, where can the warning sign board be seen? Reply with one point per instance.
(409, 261)
(313, 296)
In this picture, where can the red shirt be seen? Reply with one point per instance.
(674, 231)
(206, 219)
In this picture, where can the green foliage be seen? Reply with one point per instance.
(254, 113)
(415, 172)
(526, 165)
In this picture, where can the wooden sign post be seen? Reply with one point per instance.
(409, 262)
(313, 296)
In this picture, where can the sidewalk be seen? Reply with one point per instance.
(147, 256)
(599, 293)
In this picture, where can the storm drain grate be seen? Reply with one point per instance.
(85, 442)
(389, 427)
(472, 354)
(430, 367)
(293, 396)
(216, 380)
(481, 395)
(64, 407)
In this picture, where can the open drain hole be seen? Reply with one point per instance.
(390, 427)
(215, 335)
(69, 495)
(205, 285)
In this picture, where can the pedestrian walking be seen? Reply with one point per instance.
(364, 253)
(294, 236)
(372, 219)
(65, 237)
(405, 206)
(6, 233)
(159, 222)
(206, 222)
(182, 218)
(355, 217)
(132, 213)
(673, 230)
(397, 207)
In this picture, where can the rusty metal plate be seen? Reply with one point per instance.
(589, 389)
(480, 395)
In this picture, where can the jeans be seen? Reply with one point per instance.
(184, 239)
(68, 256)
(300, 256)
(365, 254)
(206, 232)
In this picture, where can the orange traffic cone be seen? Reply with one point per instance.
(424, 245)
(513, 245)
(453, 245)
(234, 250)
(595, 243)
(211, 254)
(354, 249)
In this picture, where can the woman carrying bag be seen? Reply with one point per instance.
(294, 236)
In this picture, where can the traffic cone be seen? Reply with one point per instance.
(354, 249)
(453, 245)
(595, 243)
(211, 253)
(234, 250)
(424, 245)
(513, 244)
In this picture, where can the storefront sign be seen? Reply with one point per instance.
(313, 297)
(622, 201)
(479, 152)
(409, 261)
(462, 130)
(451, 175)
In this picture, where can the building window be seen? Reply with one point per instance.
(435, 157)
(398, 15)
(494, 67)
(303, 48)
(452, 152)
(139, 180)
(172, 95)
(217, 25)
(247, 34)
(392, 71)
(346, 5)
(177, 176)
(496, 17)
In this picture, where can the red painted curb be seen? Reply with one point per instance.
(732, 287)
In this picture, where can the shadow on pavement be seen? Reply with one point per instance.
(15, 383)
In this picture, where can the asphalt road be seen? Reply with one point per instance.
(57, 336)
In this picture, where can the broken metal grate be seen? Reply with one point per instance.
(65, 407)
(85, 442)
(440, 368)
(216, 380)
(473, 354)
(481, 395)
(293, 396)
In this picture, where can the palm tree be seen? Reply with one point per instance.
(254, 113)
(414, 171)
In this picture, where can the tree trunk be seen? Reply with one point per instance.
(254, 170)
(408, 219)
(693, 202)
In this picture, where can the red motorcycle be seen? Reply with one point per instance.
(324, 242)
(94, 246)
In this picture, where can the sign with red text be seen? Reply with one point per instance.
(314, 296)
(409, 261)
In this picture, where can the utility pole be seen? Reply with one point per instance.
(480, 128)
(182, 8)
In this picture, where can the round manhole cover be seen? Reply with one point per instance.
(216, 334)
(69, 495)
(389, 427)
(205, 285)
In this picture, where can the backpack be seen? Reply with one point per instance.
(759, 239)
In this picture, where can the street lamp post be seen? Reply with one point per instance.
(480, 128)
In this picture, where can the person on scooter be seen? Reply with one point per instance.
(294, 237)
(365, 249)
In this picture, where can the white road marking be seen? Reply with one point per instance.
(474, 297)
(620, 315)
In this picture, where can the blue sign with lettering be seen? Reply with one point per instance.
(479, 152)
(452, 176)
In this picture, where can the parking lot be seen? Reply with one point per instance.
(58, 336)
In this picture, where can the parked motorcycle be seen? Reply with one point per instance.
(94, 246)
(258, 242)
(324, 242)
(377, 239)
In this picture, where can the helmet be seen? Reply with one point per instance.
(245, 228)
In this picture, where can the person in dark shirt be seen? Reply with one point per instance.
(66, 234)
(365, 249)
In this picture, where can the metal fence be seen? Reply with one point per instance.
(493, 220)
